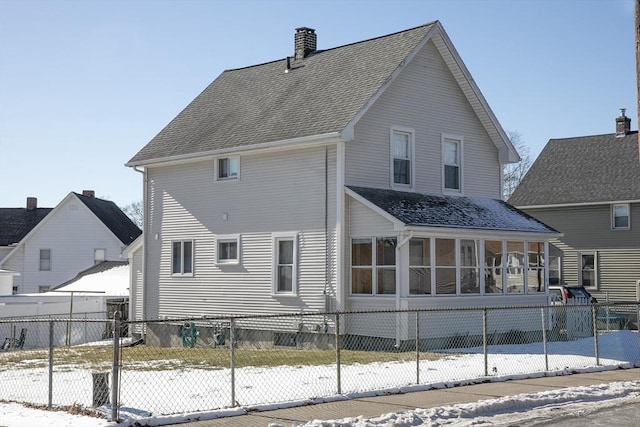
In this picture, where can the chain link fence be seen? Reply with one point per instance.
(190, 365)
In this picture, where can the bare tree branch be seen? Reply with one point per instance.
(135, 212)
(514, 172)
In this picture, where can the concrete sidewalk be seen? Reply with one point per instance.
(379, 405)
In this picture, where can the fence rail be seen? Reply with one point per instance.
(169, 366)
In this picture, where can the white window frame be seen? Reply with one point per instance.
(41, 260)
(595, 269)
(375, 267)
(228, 238)
(182, 259)
(218, 171)
(276, 238)
(412, 164)
(460, 141)
(96, 259)
(613, 216)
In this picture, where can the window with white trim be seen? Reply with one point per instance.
(493, 274)
(182, 257)
(420, 266)
(452, 163)
(515, 267)
(620, 218)
(402, 148)
(535, 267)
(445, 267)
(587, 272)
(227, 168)
(555, 273)
(99, 255)
(373, 266)
(228, 249)
(285, 251)
(45, 259)
(469, 270)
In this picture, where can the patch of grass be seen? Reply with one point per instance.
(143, 357)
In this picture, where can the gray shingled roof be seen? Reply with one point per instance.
(15, 223)
(437, 210)
(113, 217)
(321, 94)
(588, 169)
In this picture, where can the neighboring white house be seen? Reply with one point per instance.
(366, 176)
(43, 247)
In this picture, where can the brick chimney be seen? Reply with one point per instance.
(623, 124)
(32, 203)
(306, 42)
(88, 193)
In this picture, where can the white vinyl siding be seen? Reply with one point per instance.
(186, 205)
(403, 103)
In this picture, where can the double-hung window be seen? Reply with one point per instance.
(587, 274)
(45, 259)
(228, 249)
(285, 250)
(182, 257)
(620, 216)
(402, 148)
(535, 267)
(227, 168)
(452, 163)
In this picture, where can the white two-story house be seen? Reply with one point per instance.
(366, 176)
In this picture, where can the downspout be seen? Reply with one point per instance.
(326, 231)
(145, 233)
(399, 268)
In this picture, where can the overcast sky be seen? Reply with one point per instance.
(86, 84)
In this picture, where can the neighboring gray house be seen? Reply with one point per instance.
(366, 176)
(589, 188)
(43, 247)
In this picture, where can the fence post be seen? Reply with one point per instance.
(417, 347)
(116, 365)
(544, 339)
(485, 342)
(232, 361)
(594, 316)
(338, 380)
(50, 401)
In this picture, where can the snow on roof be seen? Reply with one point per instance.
(113, 281)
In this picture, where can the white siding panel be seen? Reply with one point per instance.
(277, 192)
(365, 222)
(424, 97)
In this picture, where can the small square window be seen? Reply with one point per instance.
(99, 255)
(621, 218)
(228, 250)
(228, 168)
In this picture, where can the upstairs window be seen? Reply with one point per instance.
(228, 168)
(402, 157)
(452, 163)
(182, 257)
(228, 250)
(620, 218)
(45, 259)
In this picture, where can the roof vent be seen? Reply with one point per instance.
(306, 42)
(623, 124)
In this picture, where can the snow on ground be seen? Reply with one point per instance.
(298, 383)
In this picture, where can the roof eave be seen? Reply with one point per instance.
(310, 140)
